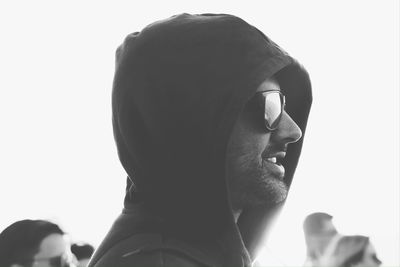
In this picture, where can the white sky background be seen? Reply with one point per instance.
(57, 154)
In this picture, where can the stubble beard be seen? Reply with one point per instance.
(252, 185)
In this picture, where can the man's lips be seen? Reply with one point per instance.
(274, 157)
(272, 161)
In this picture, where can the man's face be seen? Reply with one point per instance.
(255, 175)
(54, 251)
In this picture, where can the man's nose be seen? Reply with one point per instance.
(287, 131)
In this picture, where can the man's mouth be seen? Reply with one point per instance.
(274, 165)
(273, 159)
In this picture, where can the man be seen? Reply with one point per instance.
(319, 233)
(203, 133)
(31, 243)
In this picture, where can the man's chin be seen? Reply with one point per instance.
(270, 196)
(272, 193)
(260, 188)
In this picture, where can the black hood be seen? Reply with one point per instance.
(180, 85)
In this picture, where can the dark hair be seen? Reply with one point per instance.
(20, 241)
(352, 248)
(82, 251)
(315, 222)
(353, 260)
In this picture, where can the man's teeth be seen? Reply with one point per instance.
(273, 160)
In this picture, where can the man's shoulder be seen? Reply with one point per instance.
(152, 250)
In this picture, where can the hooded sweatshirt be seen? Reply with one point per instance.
(179, 86)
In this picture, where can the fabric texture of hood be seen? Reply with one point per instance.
(179, 87)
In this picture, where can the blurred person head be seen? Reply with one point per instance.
(351, 251)
(82, 252)
(34, 243)
(318, 232)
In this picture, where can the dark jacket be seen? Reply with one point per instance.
(179, 86)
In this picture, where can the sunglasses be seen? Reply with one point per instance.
(269, 103)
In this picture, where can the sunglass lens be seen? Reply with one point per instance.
(273, 109)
